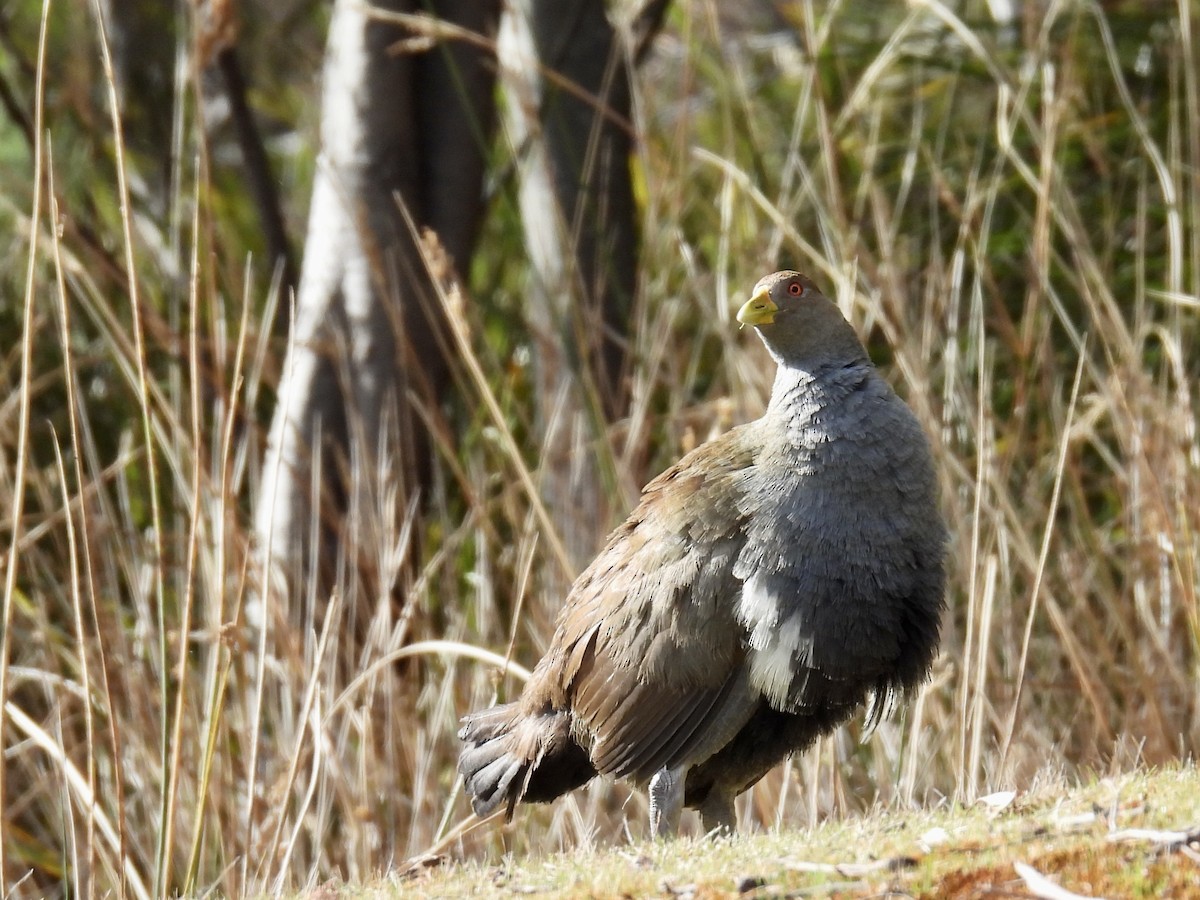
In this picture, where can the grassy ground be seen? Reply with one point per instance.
(1134, 835)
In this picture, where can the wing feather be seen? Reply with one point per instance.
(648, 654)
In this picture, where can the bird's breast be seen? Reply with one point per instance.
(844, 545)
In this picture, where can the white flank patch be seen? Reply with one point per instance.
(774, 648)
(757, 609)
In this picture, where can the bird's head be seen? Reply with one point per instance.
(777, 293)
(799, 324)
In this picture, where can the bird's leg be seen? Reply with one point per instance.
(717, 813)
(666, 801)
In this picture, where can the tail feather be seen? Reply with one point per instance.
(494, 764)
(510, 757)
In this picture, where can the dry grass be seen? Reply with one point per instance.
(1012, 219)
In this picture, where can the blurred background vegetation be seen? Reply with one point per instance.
(1006, 203)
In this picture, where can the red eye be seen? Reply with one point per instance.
(795, 289)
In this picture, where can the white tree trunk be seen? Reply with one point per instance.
(397, 129)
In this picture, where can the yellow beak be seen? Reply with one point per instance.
(758, 310)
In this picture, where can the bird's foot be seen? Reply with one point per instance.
(666, 802)
(718, 815)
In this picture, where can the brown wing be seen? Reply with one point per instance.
(648, 655)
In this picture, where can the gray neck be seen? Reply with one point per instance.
(815, 342)
(804, 389)
(801, 396)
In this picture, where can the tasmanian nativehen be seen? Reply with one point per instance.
(765, 587)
